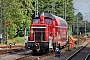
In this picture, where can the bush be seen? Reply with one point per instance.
(18, 40)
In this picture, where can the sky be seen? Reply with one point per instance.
(82, 6)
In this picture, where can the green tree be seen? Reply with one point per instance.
(14, 15)
(18, 13)
(69, 12)
(46, 6)
(27, 9)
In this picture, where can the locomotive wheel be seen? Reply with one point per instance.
(41, 52)
(47, 50)
(34, 52)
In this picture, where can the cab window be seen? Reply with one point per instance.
(48, 21)
(36, 21)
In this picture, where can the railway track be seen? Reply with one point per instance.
(5, 50)
(38, 56)
(35, 57)
(82, 54)
(88, 56)
(15, 54)
(26, 55)
(20, 54)
(10, 50)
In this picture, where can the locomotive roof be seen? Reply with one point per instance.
(62, 21)
(51, 16)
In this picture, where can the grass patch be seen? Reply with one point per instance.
(18, 40)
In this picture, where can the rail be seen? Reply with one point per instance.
(87, 56)
(74, 54)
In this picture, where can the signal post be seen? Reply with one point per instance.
(7, 24)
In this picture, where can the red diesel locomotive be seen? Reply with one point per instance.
(47, 31)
